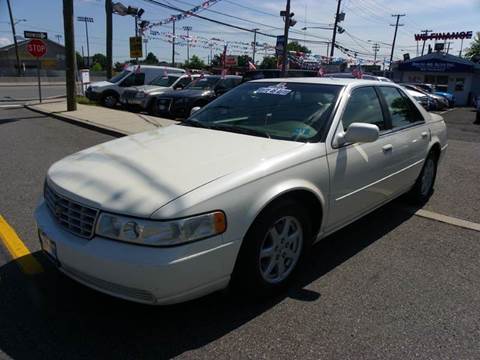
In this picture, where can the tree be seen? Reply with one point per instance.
(80, 62)
(217, 60)
(269, 62)
(99, 59)
(96, 67)
(151, 59)
(473, 52)
(194, 63)
(295, 46)
(243, 60)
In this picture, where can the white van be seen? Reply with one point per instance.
(108, 92)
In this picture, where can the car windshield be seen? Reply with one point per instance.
(120, 76)
(285, 111)
(203, 83)
(164, 80)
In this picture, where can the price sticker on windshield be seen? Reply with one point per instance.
(279, 89)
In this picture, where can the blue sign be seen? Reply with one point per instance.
(435, 66)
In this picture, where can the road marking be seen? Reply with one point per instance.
(11, 106)
(17, 249)
(448, 220)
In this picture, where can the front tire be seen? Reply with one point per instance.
(423, 188)
(110, 99)
(273, 248)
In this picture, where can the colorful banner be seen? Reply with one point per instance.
(203, 5)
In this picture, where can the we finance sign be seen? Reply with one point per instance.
(444, 36)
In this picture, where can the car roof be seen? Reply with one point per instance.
(325, 80)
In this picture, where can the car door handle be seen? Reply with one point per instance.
(424, 134)
(387, 147)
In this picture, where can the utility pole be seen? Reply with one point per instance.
(461, 48)
(376, 48)
(426, 34)
(145, 41)
(173, 43)
(288, 22)
(86, 20)
(69, 54)
(332, 49)
(187, 29)
(398, 16)
(448, 46)
(109, 32)
(12, 23)
(254, 44)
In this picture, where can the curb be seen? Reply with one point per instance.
(80, 122)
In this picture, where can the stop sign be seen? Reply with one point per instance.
(37, 48)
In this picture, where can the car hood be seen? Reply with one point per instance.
(138, 174)
(444, 94)
(152, 88)
(101, 84)
(188, 93)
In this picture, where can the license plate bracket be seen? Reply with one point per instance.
(48, 246)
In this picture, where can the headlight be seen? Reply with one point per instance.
(140, 94)
(161, 233)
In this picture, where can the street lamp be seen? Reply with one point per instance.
(187, 29)
(86, 20)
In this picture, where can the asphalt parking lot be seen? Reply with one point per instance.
(393, 285)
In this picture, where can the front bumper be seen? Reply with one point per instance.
(143, 274)
(92, 95)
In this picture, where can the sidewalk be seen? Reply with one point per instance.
(100, 118)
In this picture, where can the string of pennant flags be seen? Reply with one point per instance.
(183, 15)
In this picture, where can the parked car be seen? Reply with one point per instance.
(108, 92)
(143, 97)
(432, 89)
(276, 73)
(178, 104)
(239, 192)
(349, 75)
(438, 102)
(421, 98)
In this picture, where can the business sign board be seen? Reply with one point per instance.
(231, 60)
(444, 36)
(35, 35)
(435, 66)
(136, 47)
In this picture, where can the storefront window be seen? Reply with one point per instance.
(459, 84)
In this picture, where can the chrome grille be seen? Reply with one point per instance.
(76, 218)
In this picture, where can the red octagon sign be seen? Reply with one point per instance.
(37, 48)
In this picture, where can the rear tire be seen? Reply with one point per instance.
(273, 248)
(423, 188)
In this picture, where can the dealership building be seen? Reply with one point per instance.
(53, 61)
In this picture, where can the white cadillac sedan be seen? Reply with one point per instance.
(238, 193)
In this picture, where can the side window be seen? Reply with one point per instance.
(227, 84)
(363, 106)
(133, 80)
(402, 111)
(184, 81)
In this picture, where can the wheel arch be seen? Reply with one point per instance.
(303, 192)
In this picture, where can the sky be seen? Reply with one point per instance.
(366, 22)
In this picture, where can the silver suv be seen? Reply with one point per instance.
(142, 97)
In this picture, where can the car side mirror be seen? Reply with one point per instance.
(359, 133)
(194, 109)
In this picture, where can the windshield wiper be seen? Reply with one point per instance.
(239, 130)
(194, 123)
